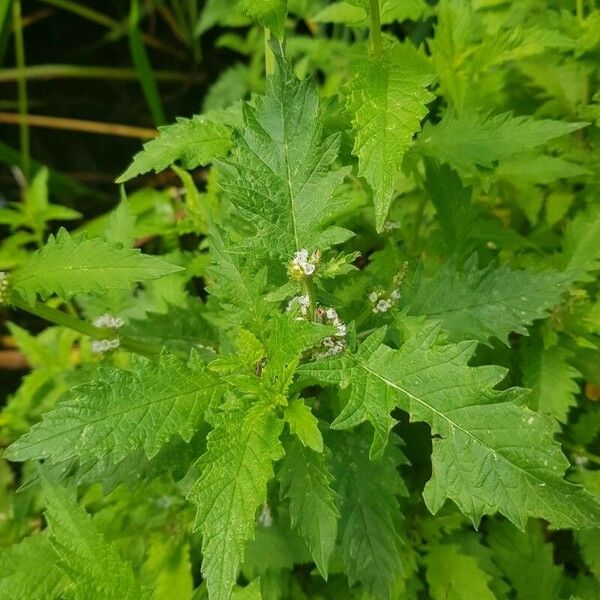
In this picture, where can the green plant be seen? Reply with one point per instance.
(378, 394)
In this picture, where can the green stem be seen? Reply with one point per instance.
(58, 317)
(375, 27)
(21, 87)
(269, 58)
(418, 220)
(52, 71)
(579, 9)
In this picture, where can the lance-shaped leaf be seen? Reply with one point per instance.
(93, 565)
(188, 142)
(581, 250)
(491, 302)
(306, 480)
(489, 454)
(76, 265)
(280, 177)
(387, 99)
(235, 470)
(370, 536)
(120, 411)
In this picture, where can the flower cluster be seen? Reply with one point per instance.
(383, 301)
(301, 266)
(300, 304)
(3, 287)
(101, 346)
(336, 343)
(109, 322)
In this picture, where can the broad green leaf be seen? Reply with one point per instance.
(452, 575)
(30, 570)
(304, 425)
(521, 554)
(120, 411)
(467, 139)
(281, 178)
(76, 265)
(306, 481)
(169, 568)
(589, 543)
(189, 142)
(269, 13)
(551, 378)
(93, 565)
(489, 453)
(491, 302)
(387, 99)
(235, 470)
(581, 250)
(369, 527)
(355, 12)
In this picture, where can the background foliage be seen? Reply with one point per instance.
(337, 333)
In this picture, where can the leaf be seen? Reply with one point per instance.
(467, 139)
(552, 380)
(489, 454)
(189, 142)
(491, 302)
(304, 425)
(369, 528)
(387, 99)
(169, 568)
(306, 481)
(120, 411)
(269, 13)
(76, 265)
(521, 554)
(452, 575)
(581, 250)
(280, 178)
(79, 544)
(29, 570)
(235, 470)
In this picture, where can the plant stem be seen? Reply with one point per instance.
(579, 9)
(375, 27)
(80, 125)
(269, 58)
(21, 86)
(58, 317)
(52, 71)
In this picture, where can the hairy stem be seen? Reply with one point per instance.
(21, 87)
(58, 317)
(375, 27)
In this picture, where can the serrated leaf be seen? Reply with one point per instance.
(120, 411)
(29, 570)
(269, 13)
(189, 142)
(304, 425)
(489, 454)
(467, 139)
(79, 544)
(280, 177)
(76, 265)
(581, 250)
(521, 554)
(369, 528)
(235, 470)
(452, 575)
(387, 99)
(306, 481)
(551, 378)
(491, 302)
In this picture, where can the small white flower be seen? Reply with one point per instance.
(301, 264)
(304, 301)
(382, 306)
(331, 314)
(391, 225)
(102, 346)
(265, 518)
(301, 257)
(341, 330)
(109, 322)
(308, 268)
(373, 296)
(329, 342)
(395, 295)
